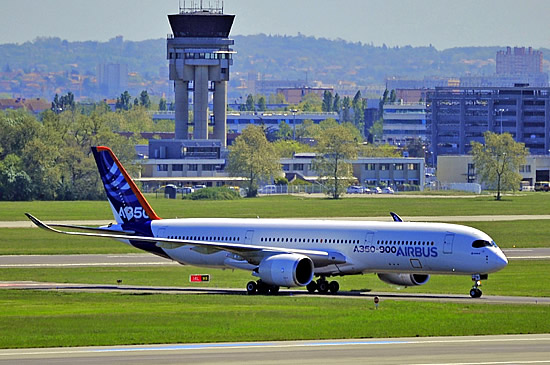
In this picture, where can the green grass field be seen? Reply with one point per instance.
(516, 279)
(291, 206)
(51, 319)
(37, 318)
(34, 241)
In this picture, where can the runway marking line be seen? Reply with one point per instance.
(92, 264)
(226, 346)
(489, 363)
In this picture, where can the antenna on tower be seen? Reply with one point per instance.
(195, 6)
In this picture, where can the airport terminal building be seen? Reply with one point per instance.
(456, 116)
(203, 162)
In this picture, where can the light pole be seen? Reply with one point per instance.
(294, 111)
(501, 111)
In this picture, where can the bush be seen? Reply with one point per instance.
(221, 193)
(281, 181)
(410, 187)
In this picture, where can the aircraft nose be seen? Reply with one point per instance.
(500, 260)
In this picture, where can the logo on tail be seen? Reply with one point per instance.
(127, 202)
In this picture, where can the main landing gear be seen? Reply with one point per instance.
(323, 286)
(475, 292)
(260, 287)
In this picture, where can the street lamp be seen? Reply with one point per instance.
(294, 111)
(501, 111)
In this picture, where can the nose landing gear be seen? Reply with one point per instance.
(475, 292)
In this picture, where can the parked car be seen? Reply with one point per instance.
(367, 191)
(355, 189)
(268, 189)
(187, 190)
(198, 187)
(376, 190)
(388, 190)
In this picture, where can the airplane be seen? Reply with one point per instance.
(290, 253)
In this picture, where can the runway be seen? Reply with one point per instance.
(42, 261)
(481, 350)
(449, 219)
(363, 295)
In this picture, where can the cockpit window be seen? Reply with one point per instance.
(481, 244)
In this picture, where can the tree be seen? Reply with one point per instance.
(123, 102)
(144, 99)
(66, 102)
(15, 184)
(287, 148)
(284, 131)
(346, 104)
(393, 96)
(251, 156)
(278, 98)
(311, 103)
(383, 100)
(249, 106)
(377, 129)
(337, 104)
(162, 104)
(262, 104)
(497, 161)
(382, 150)
(358, 106)
(335, 147)
(328, 101)
(415, 148)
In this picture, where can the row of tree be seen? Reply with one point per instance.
(253, 157)
(50, 158)
(256, 159)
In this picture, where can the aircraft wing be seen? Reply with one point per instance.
(252, 253)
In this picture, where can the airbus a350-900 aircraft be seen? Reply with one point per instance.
(290, 253)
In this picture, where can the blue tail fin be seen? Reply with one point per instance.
(127, 202)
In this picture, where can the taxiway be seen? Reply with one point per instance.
(481, 350)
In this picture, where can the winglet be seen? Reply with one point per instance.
(39, 223)
(395, 217)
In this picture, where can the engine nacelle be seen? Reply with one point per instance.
(405, 279)
(286, 270)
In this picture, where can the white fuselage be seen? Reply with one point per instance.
(381, 247)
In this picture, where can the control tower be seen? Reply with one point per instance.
(199, 57)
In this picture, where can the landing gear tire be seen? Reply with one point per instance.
(262, 287)
(322, 286)
(333, 286)
(311, 287)
(475, 293)
(273, 290)
(251, 288)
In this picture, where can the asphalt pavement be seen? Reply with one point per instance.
(481, 350)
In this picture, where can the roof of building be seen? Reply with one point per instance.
(35, 105)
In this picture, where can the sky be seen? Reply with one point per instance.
(441, 23)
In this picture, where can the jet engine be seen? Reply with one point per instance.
(405, 279)
(286, 270)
